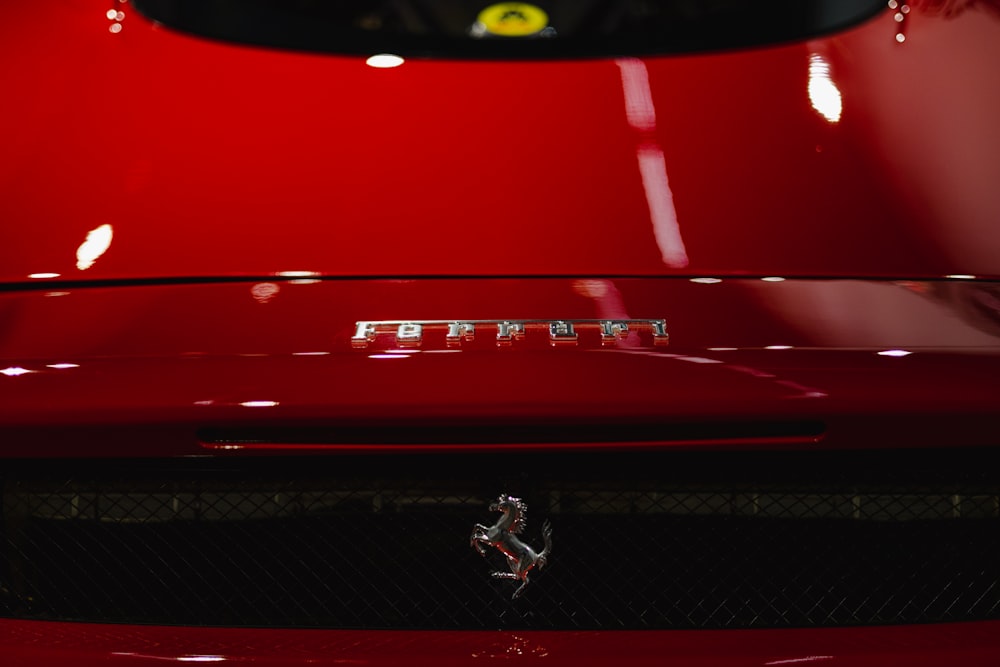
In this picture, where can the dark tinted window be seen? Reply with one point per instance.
(485, 29)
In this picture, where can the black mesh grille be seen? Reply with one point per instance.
(665, 540)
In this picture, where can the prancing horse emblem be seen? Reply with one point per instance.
(503, 535)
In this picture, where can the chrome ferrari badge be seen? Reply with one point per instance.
(502, 535)
(411, 333)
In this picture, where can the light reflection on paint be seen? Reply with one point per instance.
(659, 198)
(200, 658)
(700, 360)
(14, 371)
(778, 347)
(62, 366)
(639, 109)
(179, 658)
(43, 276)
(773, 279)
(641, 116)
(299, 277)
(802, 391)
(384, 61)
(902, 9)
(96, 244)
(264, 292)
(388, 356)
(706, 281)
(960, 276)
(259, 404)
(296, 274)
(894, 353)
(116, 16)
(823, 92)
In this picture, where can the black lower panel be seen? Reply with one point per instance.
(669, 540)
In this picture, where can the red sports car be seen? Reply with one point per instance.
(446, 332)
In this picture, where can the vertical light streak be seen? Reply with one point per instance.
(666, 229)
(823, 92)
(96, 244)
(641, 115)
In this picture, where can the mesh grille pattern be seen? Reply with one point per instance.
(663, 540)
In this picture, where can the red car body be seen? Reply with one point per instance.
(192, 229)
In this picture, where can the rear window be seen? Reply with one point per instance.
(484, 29)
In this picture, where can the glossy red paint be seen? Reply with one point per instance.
(25, 644)
(149, 365)
(179, 158)
(212, 159)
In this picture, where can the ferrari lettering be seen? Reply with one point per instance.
(454, 333)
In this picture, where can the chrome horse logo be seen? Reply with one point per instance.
(503, 536)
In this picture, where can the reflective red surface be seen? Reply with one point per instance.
(33, 643)
(147, 366)
(130, 151)
(849, 155)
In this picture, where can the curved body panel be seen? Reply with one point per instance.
(187, 157)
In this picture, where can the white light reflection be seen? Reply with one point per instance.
(43, 276)
(259, 404)
(179, 658)
(62, 366)
(96, 244)
(722, 349)
(200, 658)
(778, 347)
(773, 279)
(388, 356)
(116, 16)
(296, 274)
(309, 354)
(264, 292)
(659, 198)
(700, 360)
(384, 61)
(14, 371)
(894, 353)
(641, 116)
(823, 92)
(900, 18)
(299, 277)
(960, 276)
(706, 281)
(639, 109)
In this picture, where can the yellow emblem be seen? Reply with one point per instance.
(513, 19)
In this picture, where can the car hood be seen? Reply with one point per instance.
(185, 369)
(135, 152)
